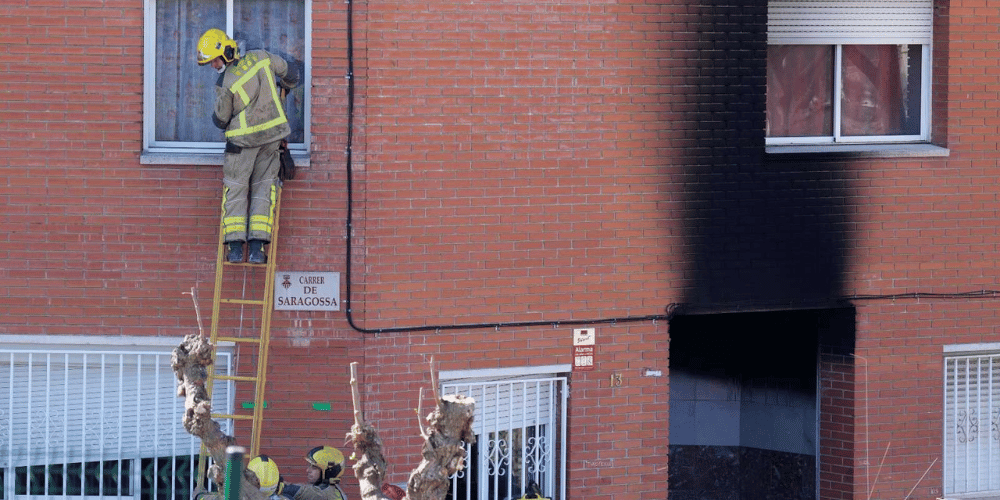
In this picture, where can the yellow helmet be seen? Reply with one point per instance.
(267, 473)
(329, 460)
(215, 43)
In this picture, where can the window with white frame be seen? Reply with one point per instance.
(520, 427)
(179, 95)
(843, 71)
(96, 417)
(972, 421)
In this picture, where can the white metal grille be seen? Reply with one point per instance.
(896, 22)
(520, 427)
(93, 417)
(972, 424)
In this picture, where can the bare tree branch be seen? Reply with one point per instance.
(369, 463)
(448, 430)
(190, 362)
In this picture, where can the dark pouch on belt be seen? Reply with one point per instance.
(287, 170)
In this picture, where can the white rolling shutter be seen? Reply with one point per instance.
(972, 424)
(60, 406)
(511, 404)
(810, 22)
(520, 427)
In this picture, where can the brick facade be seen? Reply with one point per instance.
(532, 163)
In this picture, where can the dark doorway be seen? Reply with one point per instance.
(743, 405)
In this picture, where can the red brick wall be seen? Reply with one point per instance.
(836, 426)
(925, 225)
(507, 164)
(512, 162)
(507, 153)
(610, 428)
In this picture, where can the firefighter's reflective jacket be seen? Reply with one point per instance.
(314, 492)
(248, 104)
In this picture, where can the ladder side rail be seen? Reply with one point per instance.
(213, 338)
(265, 331)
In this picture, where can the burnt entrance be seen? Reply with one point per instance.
(743, 402)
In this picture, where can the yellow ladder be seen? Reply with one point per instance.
(259, 298)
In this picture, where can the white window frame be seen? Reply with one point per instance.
(207, 153)
(497, 394)
(48, 419)
(832, 22)
(971, 421)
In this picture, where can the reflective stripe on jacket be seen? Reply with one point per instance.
(248, 105)
(320, 492)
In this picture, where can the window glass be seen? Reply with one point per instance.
(184, 92)
(881, 90)
(277, 26)
(843, 71)
(799, 90)
(160, 478)
(519, 425)
(489, 472)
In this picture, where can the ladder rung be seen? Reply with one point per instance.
(252, 340)
(236, 378)
(223, 270)
(252, 302)
(234, 417)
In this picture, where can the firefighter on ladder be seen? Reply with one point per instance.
(249, 108)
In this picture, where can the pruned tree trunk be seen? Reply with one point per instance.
(449, 429)
(369, 465)
(190, 361)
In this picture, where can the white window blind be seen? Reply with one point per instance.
(510, 404)
(520, 427)
(179, 95)
(65, 405)
(895, 22)
(972, 424)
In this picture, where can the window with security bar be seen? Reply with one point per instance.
(841, 71)
(90, 420)
(972, 424)
(179, 94)
(520, 427)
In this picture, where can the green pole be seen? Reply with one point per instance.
(234, 471)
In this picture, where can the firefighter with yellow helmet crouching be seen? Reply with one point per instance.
(269, 480)
(326, 465)
(265, 476)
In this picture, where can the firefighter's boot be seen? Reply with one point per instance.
(235, 253)
(257, 255)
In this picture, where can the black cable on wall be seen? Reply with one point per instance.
(350, 203)
(669, 311)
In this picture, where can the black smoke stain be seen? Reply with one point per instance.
(759, 230)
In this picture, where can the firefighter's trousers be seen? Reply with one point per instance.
(250, 184)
